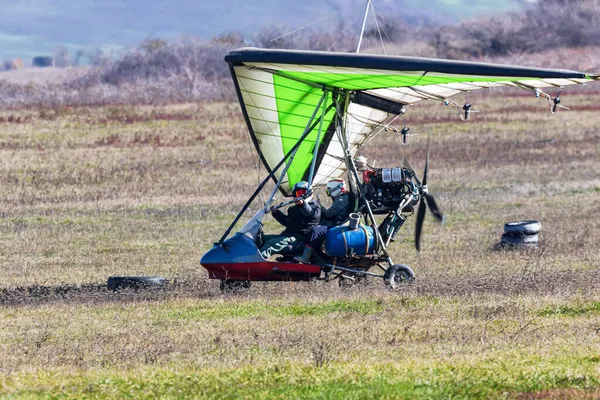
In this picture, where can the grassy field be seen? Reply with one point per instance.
(86, 193)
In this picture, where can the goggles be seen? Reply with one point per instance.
(300, 192)
(329, 190)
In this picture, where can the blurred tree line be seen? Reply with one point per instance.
(190, 69)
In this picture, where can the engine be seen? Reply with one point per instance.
(386, 188)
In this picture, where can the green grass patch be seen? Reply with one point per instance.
(486, 379)
(571, 311)
(258, 309)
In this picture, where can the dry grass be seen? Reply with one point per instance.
(92, 192)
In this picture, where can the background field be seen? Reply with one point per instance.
(90, 192)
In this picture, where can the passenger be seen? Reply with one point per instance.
(361, 163)
(299, 222)
(340, 204)
(330, 217)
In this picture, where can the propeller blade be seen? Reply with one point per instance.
(419, 223)
(426, 162)
(406, 164)
(433, 207)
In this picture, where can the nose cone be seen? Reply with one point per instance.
(237, 249)
(210, 256)
(233, 259)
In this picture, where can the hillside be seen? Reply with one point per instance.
(33, 28)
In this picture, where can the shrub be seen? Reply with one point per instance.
(187, 69)
(544, 25)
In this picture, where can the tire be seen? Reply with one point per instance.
(519, 240)
(398, 275)
(135, 282)
(522, 228)
(230, 285)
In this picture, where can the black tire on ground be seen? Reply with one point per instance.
(398, 275)
(135, 282)
(230, 285)
(522, 228)
(519, 240)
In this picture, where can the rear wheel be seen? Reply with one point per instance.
(230, 285)
(398, 275)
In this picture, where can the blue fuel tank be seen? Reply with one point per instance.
(341, 241)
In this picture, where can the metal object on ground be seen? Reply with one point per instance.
(135, 282)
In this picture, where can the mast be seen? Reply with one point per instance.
(362, 31)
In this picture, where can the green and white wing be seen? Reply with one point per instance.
(280, 89)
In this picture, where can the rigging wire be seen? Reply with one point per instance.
(378, 30)
(336, 40)
(411, 87)
(385, 32)
(373, 124)
(302, 27)
(366, 121)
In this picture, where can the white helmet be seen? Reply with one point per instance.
(361, 163)
(335, 187)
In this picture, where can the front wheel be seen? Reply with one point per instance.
(398, 275)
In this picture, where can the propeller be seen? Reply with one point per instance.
(426, 201)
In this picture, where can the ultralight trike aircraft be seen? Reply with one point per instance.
(309, 113)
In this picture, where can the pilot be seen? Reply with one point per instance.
(299, 222)
(330, 217)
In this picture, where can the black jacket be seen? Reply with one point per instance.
(300, 219)
(338, 212)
